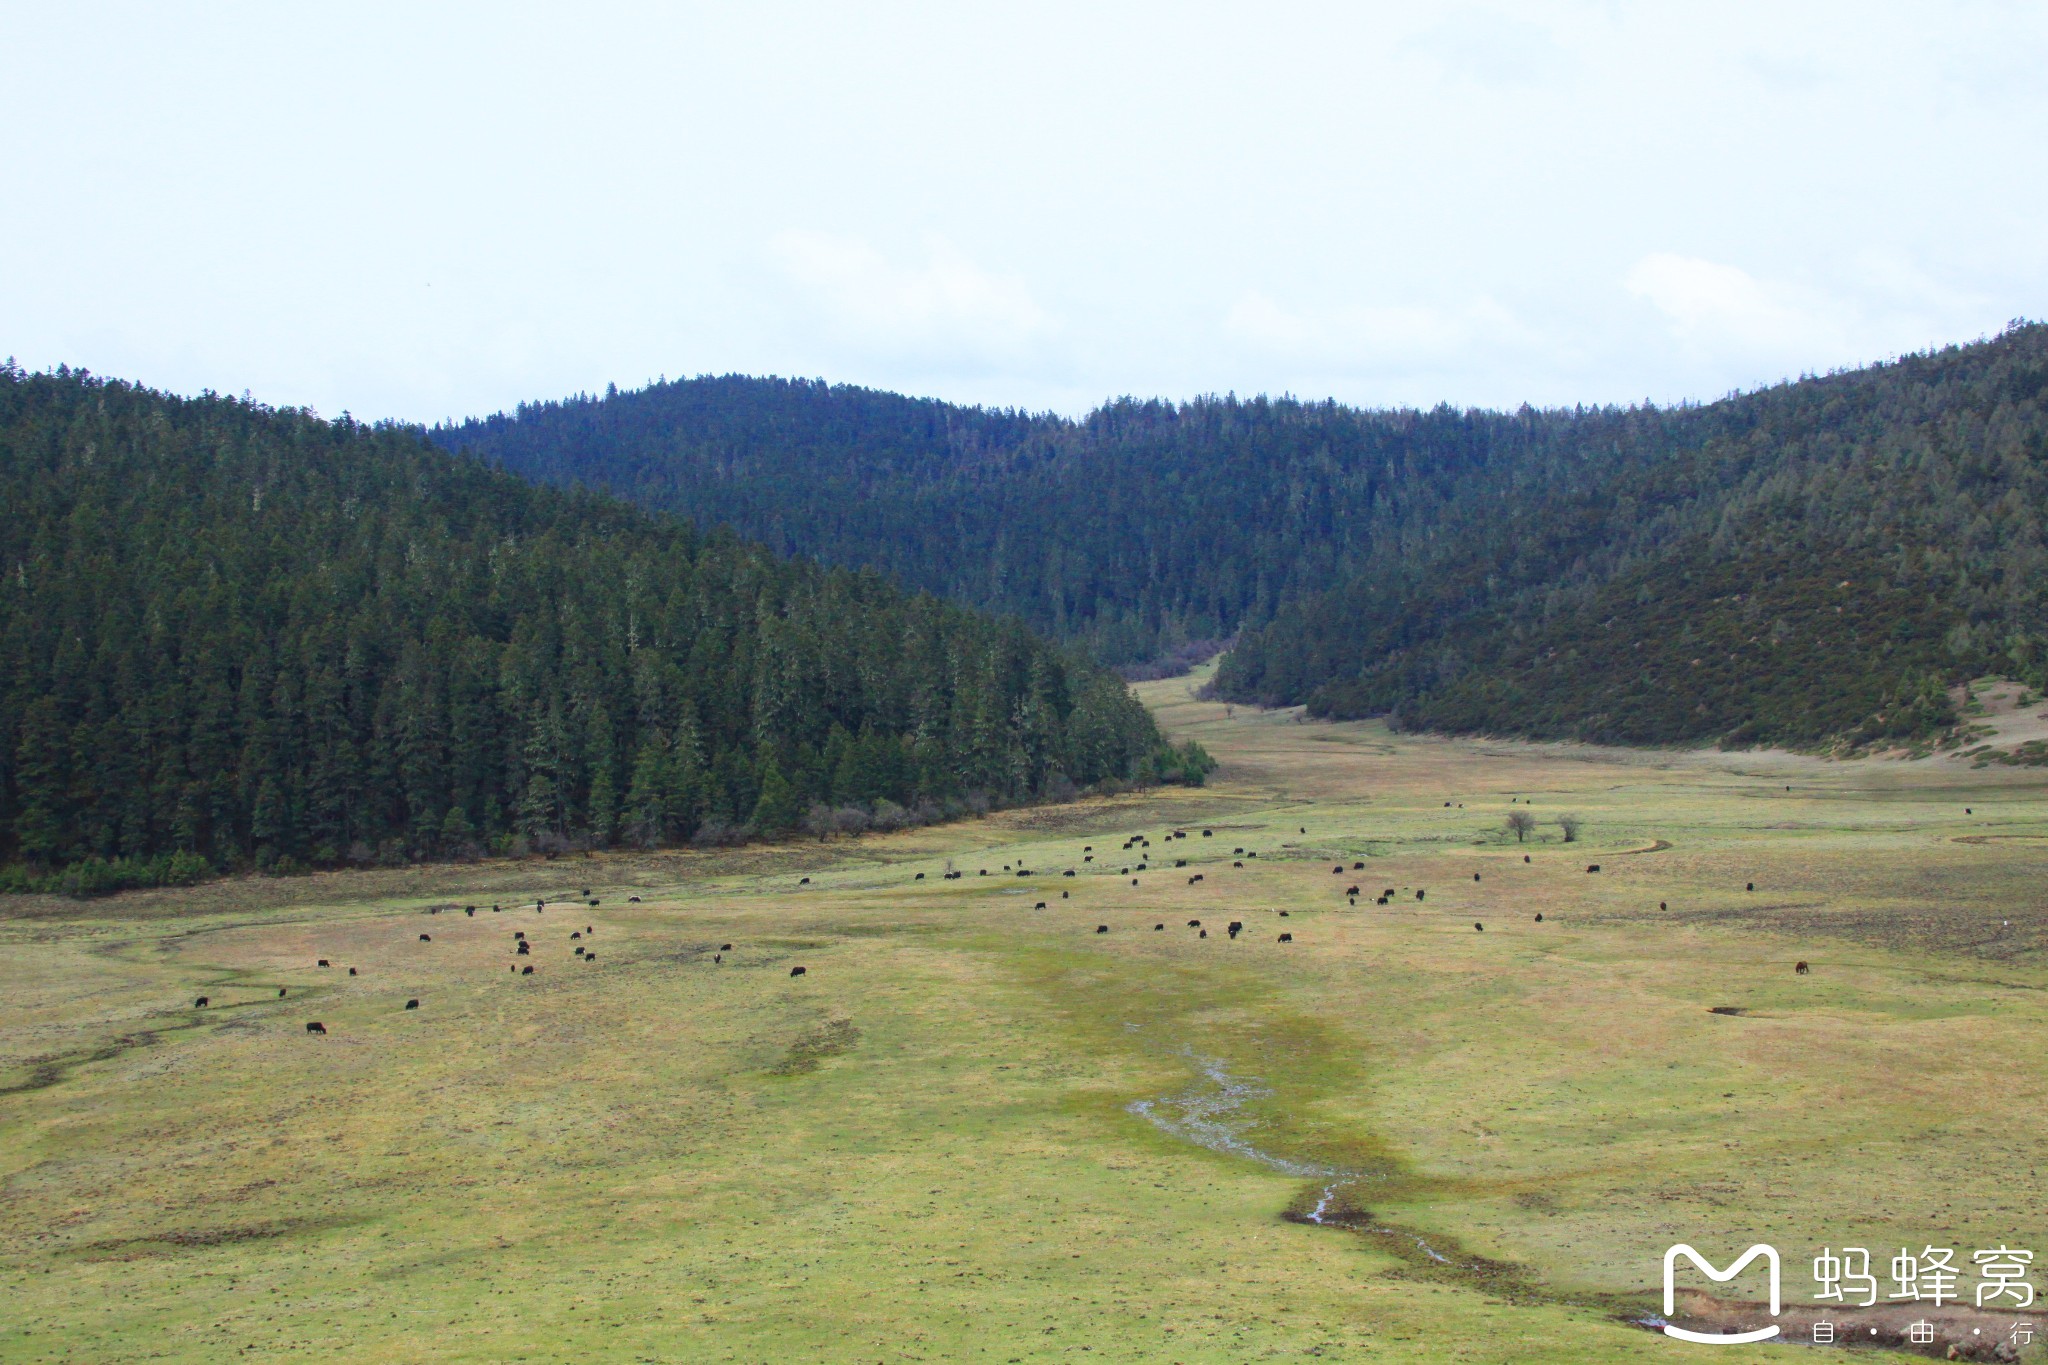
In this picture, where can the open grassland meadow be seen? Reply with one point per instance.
(1052, 1107)
(1154, 685)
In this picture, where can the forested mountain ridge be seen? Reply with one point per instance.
(246, 636)
(1637, 574)
(1814, 562)
(1145, 526)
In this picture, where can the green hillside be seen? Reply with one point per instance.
(1814, 562)
(1144, 527)
(1636, 574)
(236, 636)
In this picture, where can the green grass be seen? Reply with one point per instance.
(922, 1149)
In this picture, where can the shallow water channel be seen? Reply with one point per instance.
(1210, 1114)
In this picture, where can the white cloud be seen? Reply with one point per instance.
(1408, 352)
(947, 301)
(1490, 49)
(1719, 306)
(1899, 285)
(1374, 335)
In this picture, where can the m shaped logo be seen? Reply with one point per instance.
(1770, 1255)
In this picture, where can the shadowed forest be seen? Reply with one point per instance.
(1812, 563)
(238, 637)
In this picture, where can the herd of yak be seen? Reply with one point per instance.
(522, 946)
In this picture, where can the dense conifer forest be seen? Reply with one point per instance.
(236, 636)
(1144, 528)
(1811, 562)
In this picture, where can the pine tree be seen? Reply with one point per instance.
(40, 782)
(779, 808)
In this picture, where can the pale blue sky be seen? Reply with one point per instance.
(424, 210)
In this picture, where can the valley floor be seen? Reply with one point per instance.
(977, 1130)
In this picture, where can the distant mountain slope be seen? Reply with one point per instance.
(1141, 528)
(1811, 562)
(249, 635)
(1552, 573)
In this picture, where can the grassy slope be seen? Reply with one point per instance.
(920, 1149)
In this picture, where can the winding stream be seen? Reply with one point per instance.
(1208, 1115)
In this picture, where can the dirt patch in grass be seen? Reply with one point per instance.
(870, 930)
(187, 1239)
(44, 1072)
(2020, 934)
(1429, 1258)
(832, 1038)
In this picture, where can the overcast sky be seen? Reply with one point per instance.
(426, 210)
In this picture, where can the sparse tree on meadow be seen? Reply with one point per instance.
(1570, 824)
(1520, 822)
